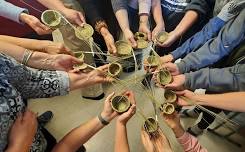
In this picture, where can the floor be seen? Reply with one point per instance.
(72, 110)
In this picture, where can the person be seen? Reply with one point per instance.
(182, 19)
(103, 22)
(232, 101)
(19, 82)
(45, 46)
(81, 134)
(188, 142)
(22, 16)
(127, 16)
(210, 31)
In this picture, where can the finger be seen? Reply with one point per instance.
(66, 50)
(180, 92)
(114, 49)
(19, 117)
(133, 42)
(104, 67)
(108, 98)
(82, 18)
(149, 36)
(76, 60)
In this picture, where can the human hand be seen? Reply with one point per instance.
(158, 28)
(173, 121)
(148, 67)
(62, 62)
(35, 24)
(144, 28)
(172, 68)
(177, 84)
(74, 16)
(109, 40)
(123, 118)
(108, 113)
(23, 131)
(188, 94)
(166, 58)
(173, 36)
(56, 48)
(158, 143)
(130, 37)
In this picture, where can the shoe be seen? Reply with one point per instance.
(95, 98)
(184, 113)
(236, 6)
(81, 149)
(195, 130)
(44, 118)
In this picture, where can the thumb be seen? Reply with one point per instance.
(133, 42)
(82, 18)
(149, 36)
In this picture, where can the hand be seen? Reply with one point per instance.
(155, 143)
(178, 82)
(62, 62)
(147, 66)
(186, 93)
(108, 113)
(130, 37)
(156, 30)
(144, 28)
(166, 58)
(123, 118)
(56, 48)
(173, 36)
(109, 40)
(35, 24)
(74, 16)
(173, 121)
(145, 138)
(23, 131)
(172, 67)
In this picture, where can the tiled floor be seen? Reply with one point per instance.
(72, 110)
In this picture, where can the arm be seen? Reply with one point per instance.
(73, 16)
(217, 80)
(158, 17)
(121, 139)
(229, 37)
(78, 136)
(13, 12)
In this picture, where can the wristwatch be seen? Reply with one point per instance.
(102, 120)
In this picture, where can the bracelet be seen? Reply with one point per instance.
(102, 120)
(99, 25)
(27, 55)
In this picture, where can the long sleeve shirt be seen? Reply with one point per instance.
(216, 48)
(18, 82)
(190, 143)
(11, 11)
(228, 79)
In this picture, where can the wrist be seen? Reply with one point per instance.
(23, 17)
(108, 117)
(178, 131)
(44, 44)
(104, 31)
(120, 123)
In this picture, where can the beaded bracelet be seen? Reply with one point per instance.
(99, 25)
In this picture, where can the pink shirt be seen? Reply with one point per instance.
(190, 143)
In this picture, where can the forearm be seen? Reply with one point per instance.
(78, 136)
(38, 60)
(54, 4)
(121, 139)
(122, 18)
(228, 101)
(188, 20)
(157, 12)
(32, 44)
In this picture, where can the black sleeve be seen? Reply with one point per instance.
(202, 7)
(91, 11)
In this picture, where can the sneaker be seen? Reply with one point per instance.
(236, 6)
(44, 118)
(184, 113)
(195, 130)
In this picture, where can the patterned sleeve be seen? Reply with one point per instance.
(33, 83)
